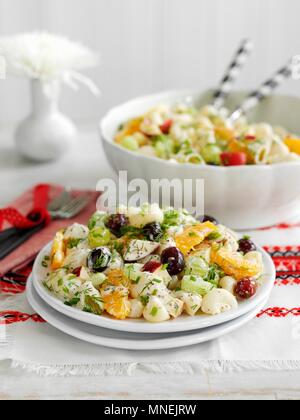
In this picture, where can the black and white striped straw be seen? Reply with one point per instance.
(265, 90)
(232, 73)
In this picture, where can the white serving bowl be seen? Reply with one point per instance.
(242, 197)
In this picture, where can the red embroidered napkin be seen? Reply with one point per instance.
(27, 252)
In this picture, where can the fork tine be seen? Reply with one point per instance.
(71, 203)
(78, 207)
(74, 206)
(59, 201)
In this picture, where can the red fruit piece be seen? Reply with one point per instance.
(77, 271)
(246, 288)
(151, 266)
(234, 158)
(250, 138)
(166, 126)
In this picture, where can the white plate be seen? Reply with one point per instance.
(183, 323)
(131, 341)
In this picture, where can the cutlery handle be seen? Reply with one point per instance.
(265, 90)
(14, 241)
(232, 73)
(5, 234)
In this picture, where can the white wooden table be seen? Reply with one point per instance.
(83, 167)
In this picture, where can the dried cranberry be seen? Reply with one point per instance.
(174, 260)
(116, 222)
(250, 138)
(246, 245)
(77, 271)
(151, 266)
(153, 231)
(166, 127)
(246, 288)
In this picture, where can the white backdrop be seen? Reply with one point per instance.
(149, 45)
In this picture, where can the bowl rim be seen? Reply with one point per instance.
(212, 168)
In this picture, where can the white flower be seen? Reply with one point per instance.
(48, 57)
(41, 55)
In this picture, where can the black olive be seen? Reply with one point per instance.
(153, 231)
(99, 259)
(174, 260)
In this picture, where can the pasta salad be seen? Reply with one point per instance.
(185, 134)
(152, 263)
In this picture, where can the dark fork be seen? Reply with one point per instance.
(70, 209)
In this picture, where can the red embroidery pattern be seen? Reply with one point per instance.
(9, 285)
(12, 317)
(286, 260)
(277, 312)
(15, 282)
(283, 251)
(287, 278)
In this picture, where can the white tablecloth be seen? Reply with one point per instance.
(270, 341)
(280, 329)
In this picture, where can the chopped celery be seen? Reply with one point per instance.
(214, 275)
(211, 154)
(94, 304)
(164, 147)
(130, 143)
(197, 266)
(171, 217)
(97, 279)
(195, 284)
(98, 219)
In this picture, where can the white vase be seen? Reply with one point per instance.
(46, 134)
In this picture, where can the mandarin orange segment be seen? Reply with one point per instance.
(117, 277)
(130, 128)
(237, 146)
(293, 144)
(224, 133)
(57, 255)
(193, 236)
(117, 305)
(234, 264)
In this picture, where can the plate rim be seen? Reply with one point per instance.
(195, 337)
(139, 326)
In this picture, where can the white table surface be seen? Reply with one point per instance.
(82, 168)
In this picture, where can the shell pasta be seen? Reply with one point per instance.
(152, 263)
(185, 134)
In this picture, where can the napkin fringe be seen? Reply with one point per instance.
(107, 369)
(230, 366)
(176, 368)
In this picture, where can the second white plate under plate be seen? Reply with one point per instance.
(131, 341)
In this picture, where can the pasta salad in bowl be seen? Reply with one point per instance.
(183, 133)
(258, 188)
(153, 265)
